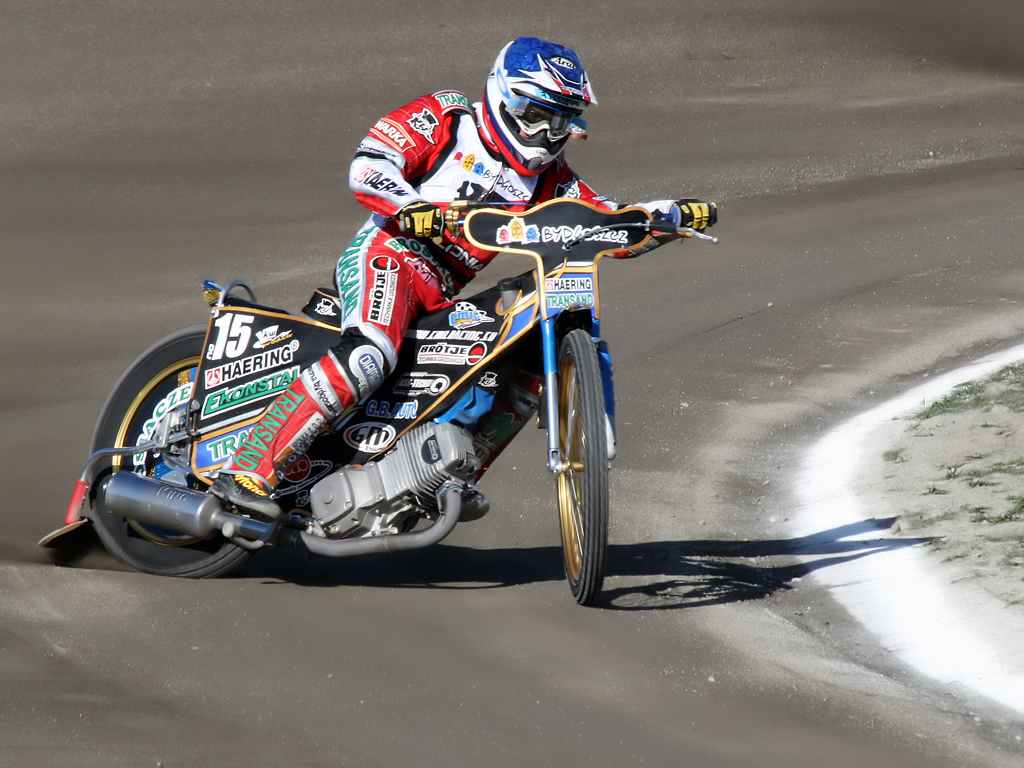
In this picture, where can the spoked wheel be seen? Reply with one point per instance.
(583, 485)
(160, 380)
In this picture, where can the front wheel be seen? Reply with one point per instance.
(161, 379)
(583, 484)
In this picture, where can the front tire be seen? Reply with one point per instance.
(583, 484)
(167, 367)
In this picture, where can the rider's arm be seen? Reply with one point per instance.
(688, 212)
(401, 146)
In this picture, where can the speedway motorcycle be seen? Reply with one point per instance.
(398, 471)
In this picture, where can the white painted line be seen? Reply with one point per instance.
(955, 633)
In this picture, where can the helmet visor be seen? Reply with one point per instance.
(534, 117)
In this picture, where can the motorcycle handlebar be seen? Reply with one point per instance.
(456, 211)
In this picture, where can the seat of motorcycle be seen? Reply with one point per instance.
(324, 306)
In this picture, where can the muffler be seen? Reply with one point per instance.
(149, 501)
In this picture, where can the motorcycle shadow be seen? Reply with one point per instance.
(652, 575)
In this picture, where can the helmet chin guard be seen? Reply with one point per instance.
(534, 101)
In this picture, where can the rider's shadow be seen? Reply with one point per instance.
(653, 575)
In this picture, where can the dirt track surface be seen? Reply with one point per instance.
(870, 176)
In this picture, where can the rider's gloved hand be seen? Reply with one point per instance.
(696, 214)
(421, 219)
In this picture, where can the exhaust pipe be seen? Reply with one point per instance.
(200, 515)
(149, 501)
(451, 505)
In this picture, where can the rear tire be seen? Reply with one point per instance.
(583, 485)
(168, 365)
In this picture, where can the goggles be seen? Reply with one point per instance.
(535, 117)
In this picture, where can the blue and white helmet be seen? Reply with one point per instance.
(534, 100)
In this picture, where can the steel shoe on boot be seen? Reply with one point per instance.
(248, 494)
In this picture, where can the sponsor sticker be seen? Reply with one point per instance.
(424, 123)
(319, 387)
(272, 358)
(452, 335)
(301, 475)
(373, 147)
(562, 292)
(564, 234)
(252, 391)
(326, 307)
(367, 364)
(347, 273)
(369, 436)
(252, 453)
(488, 381)
(466, 315)
(451, 354)
(383, 409)
(517, 231)
(391, 133)
(572, 189)
(384, 286)
(270, 335)
(450, 100)
(575, 283)
(173, 399)
(219, 449)
(564, 300)
(417, 383)
(431, 451)
(377, 181)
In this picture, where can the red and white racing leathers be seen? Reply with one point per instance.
(429, 150)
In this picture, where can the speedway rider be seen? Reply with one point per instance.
(439, 148)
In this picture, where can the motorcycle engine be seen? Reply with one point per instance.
(384, 496)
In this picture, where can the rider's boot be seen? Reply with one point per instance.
(282, 435)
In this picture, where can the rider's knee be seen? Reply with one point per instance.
(351, 369)
(362, 360)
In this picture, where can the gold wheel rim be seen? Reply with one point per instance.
(181, 367)
(571, 479)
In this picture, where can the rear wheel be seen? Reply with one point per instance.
(583, 484)
(160, 380)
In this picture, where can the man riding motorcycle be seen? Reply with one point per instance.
(506, 149)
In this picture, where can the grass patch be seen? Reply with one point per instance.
(964, 397)
(980, 477)
(978, 513)
(1005, 387)
(894, 455)
(1015, 512)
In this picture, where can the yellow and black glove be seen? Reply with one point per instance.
(697, 214)
(421, 220)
